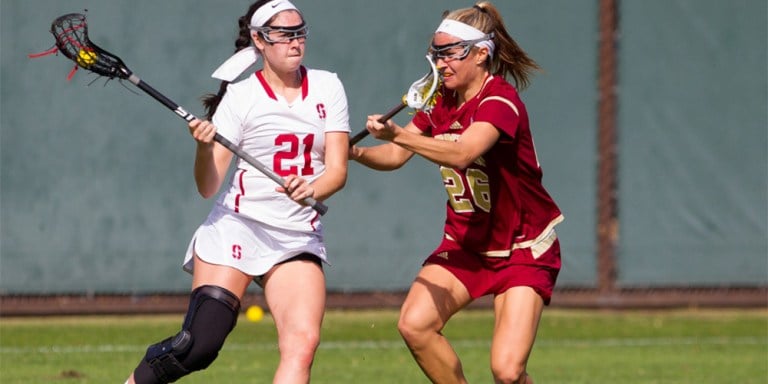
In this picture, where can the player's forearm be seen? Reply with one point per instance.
(208, 176)
(384, 157)
(336, 161)
(330, 182)
(440, 152)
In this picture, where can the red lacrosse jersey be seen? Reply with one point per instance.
(498, 203)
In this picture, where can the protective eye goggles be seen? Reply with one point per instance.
(455, 51)
(280, 34)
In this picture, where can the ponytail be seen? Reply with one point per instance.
(509, 59)
(211, 101)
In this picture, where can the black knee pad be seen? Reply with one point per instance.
(211, 316)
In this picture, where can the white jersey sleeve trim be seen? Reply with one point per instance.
(503, 100)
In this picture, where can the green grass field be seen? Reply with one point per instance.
(691, 346)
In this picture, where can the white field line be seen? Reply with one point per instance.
(397, 344)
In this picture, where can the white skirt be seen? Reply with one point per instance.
(229, 239)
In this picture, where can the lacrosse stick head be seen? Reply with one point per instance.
(422, 95)
(71, 33)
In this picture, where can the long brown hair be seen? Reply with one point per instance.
(509, 59)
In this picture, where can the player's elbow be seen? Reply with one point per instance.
(206, 193)
(386, 167)
(460, 161)
(207, 185)
(462, 154)
(207, 190)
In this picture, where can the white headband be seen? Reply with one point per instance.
(467, 32)
(268, 10)
(244, 58)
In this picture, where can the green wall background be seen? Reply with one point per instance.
(693, 143)
(96, 190)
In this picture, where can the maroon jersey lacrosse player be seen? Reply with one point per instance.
(498, 204)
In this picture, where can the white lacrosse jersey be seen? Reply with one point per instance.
(288, 138)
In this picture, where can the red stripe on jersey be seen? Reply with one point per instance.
(313, 221)
(242, 190)
(271, 93)
(267, 88)
(304, 83)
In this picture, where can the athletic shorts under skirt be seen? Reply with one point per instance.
(536, 267)
(226, 238)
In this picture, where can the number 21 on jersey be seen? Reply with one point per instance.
(296, 147)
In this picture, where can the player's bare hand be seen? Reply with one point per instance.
(382, 131)
(297, 188)
(202, 131)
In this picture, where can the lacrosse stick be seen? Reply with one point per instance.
(422, 96)
(71, 33)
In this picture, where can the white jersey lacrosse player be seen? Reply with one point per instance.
(258, 229)
(252, 227)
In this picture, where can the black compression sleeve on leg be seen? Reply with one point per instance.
(211, 316)
(213, 320)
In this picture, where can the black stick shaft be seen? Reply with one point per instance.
(362, 134)
(181, 112)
